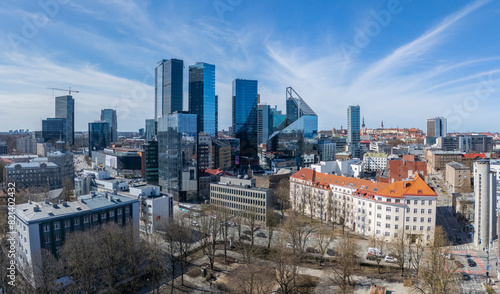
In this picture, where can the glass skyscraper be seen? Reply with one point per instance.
(202, 99)
(245, 118)
(65, 108)
(150, 129)
(109, 115)
(177, 155)
(99, 136)
(353, 131)
(168, 86)
(54, 129)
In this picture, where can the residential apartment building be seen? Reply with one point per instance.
(44, 225)
(241, 197)
(404, 169)
(374, 161)
(458, 178)
(34, 174)
(366, 207)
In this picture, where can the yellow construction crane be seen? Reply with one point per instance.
(67, 90)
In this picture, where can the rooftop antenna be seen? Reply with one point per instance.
(66, 90)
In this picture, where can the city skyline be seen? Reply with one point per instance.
(439, 58)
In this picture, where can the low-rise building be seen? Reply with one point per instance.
(366, 207)
(34, 174)
(241, 197)
(156, 209)
(44, 225)
(458, 177)
(374, 161)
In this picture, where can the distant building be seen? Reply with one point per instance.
(150, 129)
(122, 162)
(436, 127)
(168, 87)
(109, 116)
(65, 108)
(241, 197)
(466, 143)
(151, 162)
(327, 150)
(458, 177)
(26, 145)
(34, 174)
(353, 131)
(156, 209)
(485, 191)
(404, 169)
(43, 149)
(45, 225)
(99, 136)
(202, 99)
(245, 118)
(374, 161)
(54, 129)
(205, 155)
(221, 154)
(3, 148)
(177, 152)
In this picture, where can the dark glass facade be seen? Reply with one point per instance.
(168, 86)
(245, 118)
(54, 129)
(150, 129)
(202, 99)
(177, 152)
(65, 108)
(151, 162)
(109, 115)
(99, 136)
(353, 131)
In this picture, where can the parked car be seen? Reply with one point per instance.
(390, 259)
(194, 223)
(312, 250)
(330, 252)
(459, 264)
(375, 251)
(246, 237)
(465, 276)
(468, 256)
(289, 245)
(471, 262)
(260, 234)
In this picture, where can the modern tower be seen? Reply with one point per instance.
(436, 127)
(99, 136)
(54, 129)
(202, 99)
(150, 129)
(353, 131)
(109, 115)
(168, 86)
(65, 108)
(485, 214)
(177, 155)
(245, 118)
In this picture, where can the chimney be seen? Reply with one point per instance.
(47, 201)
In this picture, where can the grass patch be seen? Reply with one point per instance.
(489, 289)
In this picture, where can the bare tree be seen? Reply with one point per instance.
(171, 232)
(68, 189)
(209, 230)
(255, 278)
(311, 202)
(298, 229)
(342, 270)
(324, 236)
(47, 269)
(398, 247)
(157, 265)
(438, 273)
(184, 239)
(378, 243)
(251, 218)
(135, 258)
(417, 254)
(272, 223)
(285, 266)
(282, 193)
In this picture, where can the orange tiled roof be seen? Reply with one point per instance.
(474, 155)
(416, 187)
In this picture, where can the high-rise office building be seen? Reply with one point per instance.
(99, 136)
(151, 162)
(202, 99)
(168, 86)
(109, 115)
(150, 129)
(485, 194)
(54, 129)
(177, 155)
(65, 108)
(245, 118)
(264, 123)
(353, 131)
(436, 127)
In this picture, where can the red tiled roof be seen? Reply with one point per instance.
(474, 155)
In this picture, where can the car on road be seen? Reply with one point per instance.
(459, 264)
(390, 259)
(261, 234)
(471, 262)
(289, 245)
(246, 237)
(312, 250)
(465, 276)
(330, 252)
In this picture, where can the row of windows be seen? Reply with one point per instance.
(76, 221)
(237, 192)
(237, 199)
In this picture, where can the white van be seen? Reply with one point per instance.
(375, 251)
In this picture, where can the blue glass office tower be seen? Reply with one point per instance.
(109, 115)
(65, 108)
(177, 148)
(150, 129)
(245, 118)
(353, 131)
(168, 86)
(99, 136)
(54, 129)
(202, 99)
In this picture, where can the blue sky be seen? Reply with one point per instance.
(401, 61)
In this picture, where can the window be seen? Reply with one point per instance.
(429, 211)
(57, 226)
(119, 211)
(85, 219)
(58, 237)
(94, 217)
(127, 209)
(429, 220)
(397, 209)
(387, 226)
(379, 215)
(430, 202)
(414, 219)
(421, 219)
(423, 202)
(414, 228)
(422, 211)
(415, 202)
(77, 221)
(378, 232)
(407, 218)
(379, 207)
(111, 213)
(421, 228)
(103, 215)
(66, 223)
(396, 218)
(378, 224)
(428, 228)
(387, 234)
(415, 210)
(387, 209)
(407, 227)
(396, 227)
(47, 240)
(388, 217)
(46, 228)
(407, 201)
(395, 235)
